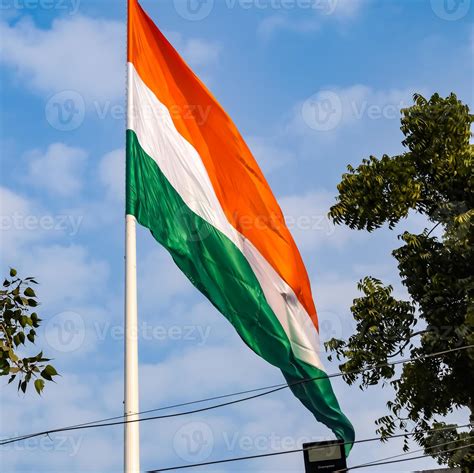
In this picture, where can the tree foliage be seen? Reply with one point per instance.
(434, 178)
(18, 322)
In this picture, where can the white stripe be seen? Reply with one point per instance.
(181, 164)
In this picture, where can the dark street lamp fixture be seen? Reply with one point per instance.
(327, 457)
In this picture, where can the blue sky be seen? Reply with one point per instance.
(312, 90)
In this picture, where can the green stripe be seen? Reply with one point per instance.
(221, 272)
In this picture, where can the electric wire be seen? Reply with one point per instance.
(405, 454)
(379, 463)
(269, 390)
(298, 450)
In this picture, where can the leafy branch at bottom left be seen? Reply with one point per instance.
(18, 324)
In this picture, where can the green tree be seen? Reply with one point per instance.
(433, 177)
(17, 327)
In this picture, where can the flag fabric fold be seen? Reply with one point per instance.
(193, 182)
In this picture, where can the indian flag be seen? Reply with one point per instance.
(195, 185)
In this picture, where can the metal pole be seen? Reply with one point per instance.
(131, 405)
(131, 391)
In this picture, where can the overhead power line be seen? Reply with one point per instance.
(379, 463)
(299, 450)
(372, 463)
(267, 390)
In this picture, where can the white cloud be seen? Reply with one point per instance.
(109, 209)
(320, 13)
(347, 8)
(343, 125)
(273, 423)
(112, 174)
(83, 59)
(307, 218)
(196, 52)
(72, 399)
(14, 210)
(201, 53)
(269, 156)
(334, 296)
(59, 170)
(68, 274)
(77, 53)
(332, 108)
(271, 25)
(160, 280)
(24, 221)
(200, 369)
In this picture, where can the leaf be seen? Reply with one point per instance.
(29, 292)
(12, 355)
(35, 320)
(12, 272)
(31, 336)
(39, 385)
(49, 372)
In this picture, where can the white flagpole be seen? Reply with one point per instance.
(131, 399)
(131, 406)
